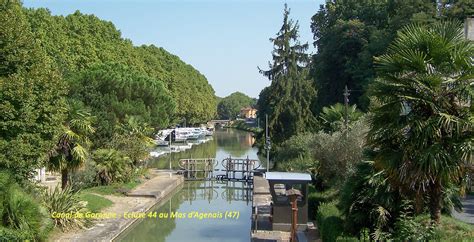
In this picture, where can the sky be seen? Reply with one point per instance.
(225, 40)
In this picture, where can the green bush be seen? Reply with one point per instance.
(21, 215)
(7, 234)
(316, 198)
(330, 222)
(295, 147)
(85, 177)
(65, 201)
(112, 166)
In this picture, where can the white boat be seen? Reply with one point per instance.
(161, 136)
(208, 132)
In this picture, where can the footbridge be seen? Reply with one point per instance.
(221, 122)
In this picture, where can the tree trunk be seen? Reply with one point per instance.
(435, 201)
(64, 178)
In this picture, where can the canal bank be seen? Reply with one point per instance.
(203, 207)
(127, 210)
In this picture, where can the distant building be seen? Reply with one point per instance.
(248, 113)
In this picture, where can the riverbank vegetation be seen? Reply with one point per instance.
(229, 107)
(79, 99)
(391, 162)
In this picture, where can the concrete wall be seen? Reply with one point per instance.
(469, 28)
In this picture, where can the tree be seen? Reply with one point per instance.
(290, 94)
(422, 131)
(71, 150)
(78, 41)
(133, 139)
(348, 34)
(114, 92)
(333, 117)
(229, 107)
(31, 95)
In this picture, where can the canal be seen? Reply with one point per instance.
(202, 210)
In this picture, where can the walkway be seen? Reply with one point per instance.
(467, 214)
(139, 200)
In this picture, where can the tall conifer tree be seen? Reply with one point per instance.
(290, 94)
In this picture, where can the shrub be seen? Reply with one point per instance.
(21, 215)
(65, 201)
(338, 152)
(368, 200)
(85, 177)
(295, 147)
(112, 166)
(7, 234)
(317, 198)
(329, 221)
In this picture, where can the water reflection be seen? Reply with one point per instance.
(209, 197)
(225, 143)
(203, 197)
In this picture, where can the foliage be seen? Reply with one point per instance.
(457, 9)
(84, 177)
(132, 138)
(329, 221)
(95, 203)
(316, 198)
(296, 146)
(79, 41)
(338, 152)
(31, 95)
(112, 166)
(348, 34)
(295, 154)
(71, 149)
(21, 215)
(422, 132)
(65, 201)
(407, 228)
(333, 117)
(290, 95)
(410, 227)
(114, 92)
(229, 107)
(368, 200)
(241, 125)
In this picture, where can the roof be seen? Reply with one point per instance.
(288, 176)
(247, 109)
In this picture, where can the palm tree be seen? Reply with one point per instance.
(71, 150)
(422, 131)
(332, 117)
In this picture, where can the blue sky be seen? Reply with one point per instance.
(224, 39)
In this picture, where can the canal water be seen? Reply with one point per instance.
(202, 210)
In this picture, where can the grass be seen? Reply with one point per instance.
(451, 228)
(95, 203)
(113, 189)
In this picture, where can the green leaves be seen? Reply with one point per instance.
(229, 107)
(420, 146)
(31, 95)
